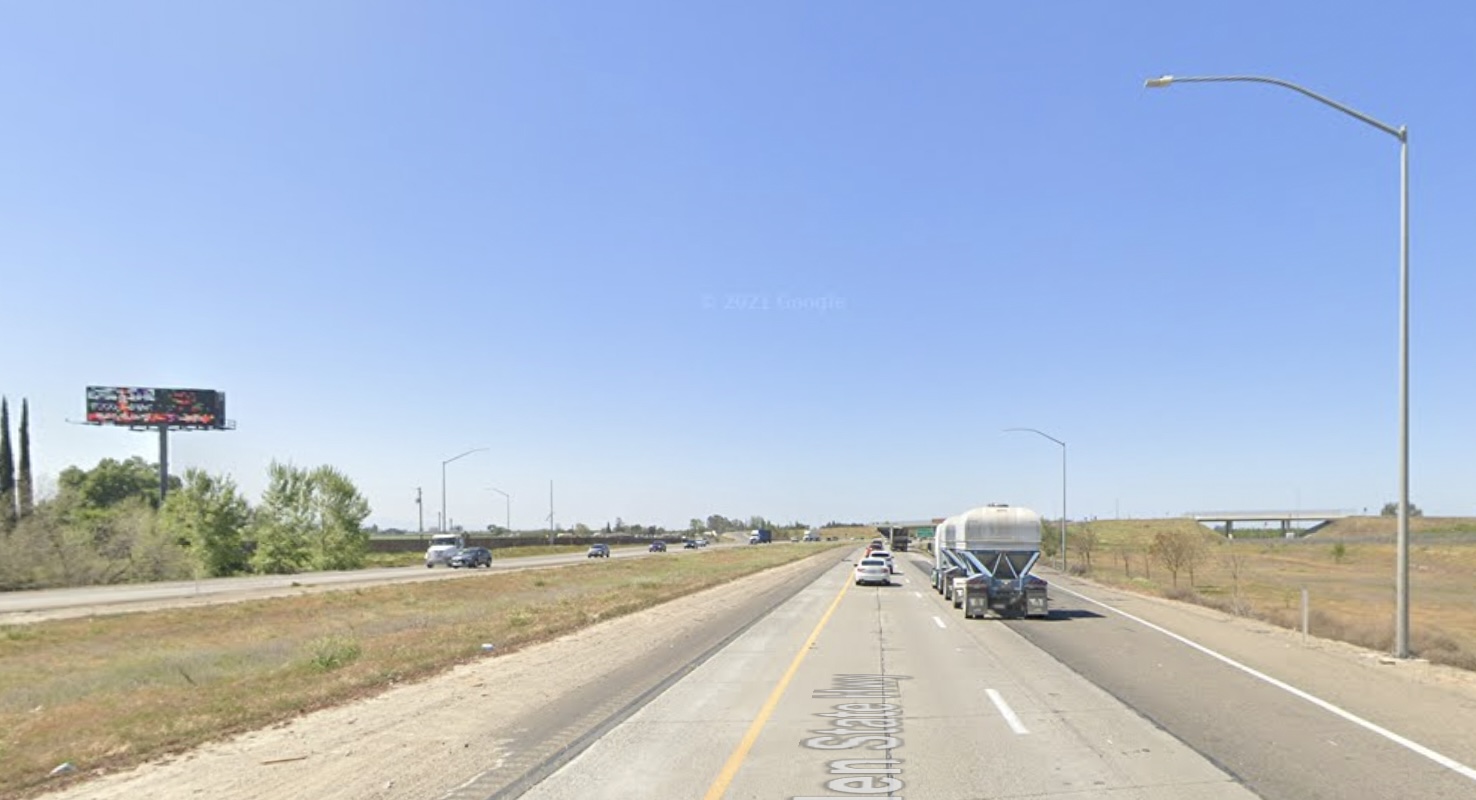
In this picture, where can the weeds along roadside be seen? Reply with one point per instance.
(109, 692)
(1349, 582)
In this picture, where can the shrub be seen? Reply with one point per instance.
(333, 652)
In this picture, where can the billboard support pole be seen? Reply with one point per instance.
(163, 463)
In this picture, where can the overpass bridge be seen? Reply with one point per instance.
(1286, 518)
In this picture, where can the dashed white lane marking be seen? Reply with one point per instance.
(939, 621)
(1008, 713)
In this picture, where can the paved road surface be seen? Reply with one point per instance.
(32, 606)
(847, 691)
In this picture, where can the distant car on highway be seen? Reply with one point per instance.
(886, 556)
(472, 557)
(598, 551)
(690, 544)
(658, 547)
(873, 570)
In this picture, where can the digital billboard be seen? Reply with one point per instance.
(137, 407)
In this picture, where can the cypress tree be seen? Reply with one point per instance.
(7, 472)
(24, 487)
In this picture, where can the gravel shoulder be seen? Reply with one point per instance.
(430, 738)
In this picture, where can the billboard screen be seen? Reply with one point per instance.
(121, 405)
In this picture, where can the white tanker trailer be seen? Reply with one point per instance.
(983, 559)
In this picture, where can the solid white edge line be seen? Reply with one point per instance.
(939, 621)
(1008, 713)
(1413, 746)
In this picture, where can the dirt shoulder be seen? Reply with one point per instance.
(427, 739)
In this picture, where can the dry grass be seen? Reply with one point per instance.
(113, 691)
(1347, 568)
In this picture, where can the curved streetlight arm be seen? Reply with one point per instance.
(446, 523)
(1401, 536)
(1038, 433)
(1399, 133)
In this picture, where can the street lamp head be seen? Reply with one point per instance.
(1159, 83)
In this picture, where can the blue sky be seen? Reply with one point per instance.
(804, 260)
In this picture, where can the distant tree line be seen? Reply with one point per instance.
(1391, 509)
(107, 525)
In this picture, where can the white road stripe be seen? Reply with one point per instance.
(1008, 713)
(939, 620)
(1441, 759)
(918, 595)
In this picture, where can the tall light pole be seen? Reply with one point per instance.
(1401, 567)
(508, 499)
(445, 521)
(1063, 485)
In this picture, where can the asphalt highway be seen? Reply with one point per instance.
(845, 691)
(31, 606)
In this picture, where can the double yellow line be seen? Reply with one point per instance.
(720, 784)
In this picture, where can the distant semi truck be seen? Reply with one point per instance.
(761, 536)
(899, 538)
(442, 547)
(983, 558)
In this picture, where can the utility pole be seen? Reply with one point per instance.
(551, 528)
(420, 510)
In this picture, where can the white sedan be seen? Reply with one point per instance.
(873, 570)
(886, 556)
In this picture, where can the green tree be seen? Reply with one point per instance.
(283, 521)
(111, 482)
(209, 516)
(25, 488)
(7, 472)
(339, 511)
(309, 519)
(1391, 509)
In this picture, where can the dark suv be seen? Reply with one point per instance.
(472, 557)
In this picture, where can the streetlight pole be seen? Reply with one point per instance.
(1063, 485)
(1401, 567)
(508, 499)
(445, 521)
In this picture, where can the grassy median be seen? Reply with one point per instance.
(112, 691)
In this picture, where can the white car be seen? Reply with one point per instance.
(873, 570)
(886, 556)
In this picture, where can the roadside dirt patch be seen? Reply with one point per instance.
(424, 739)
